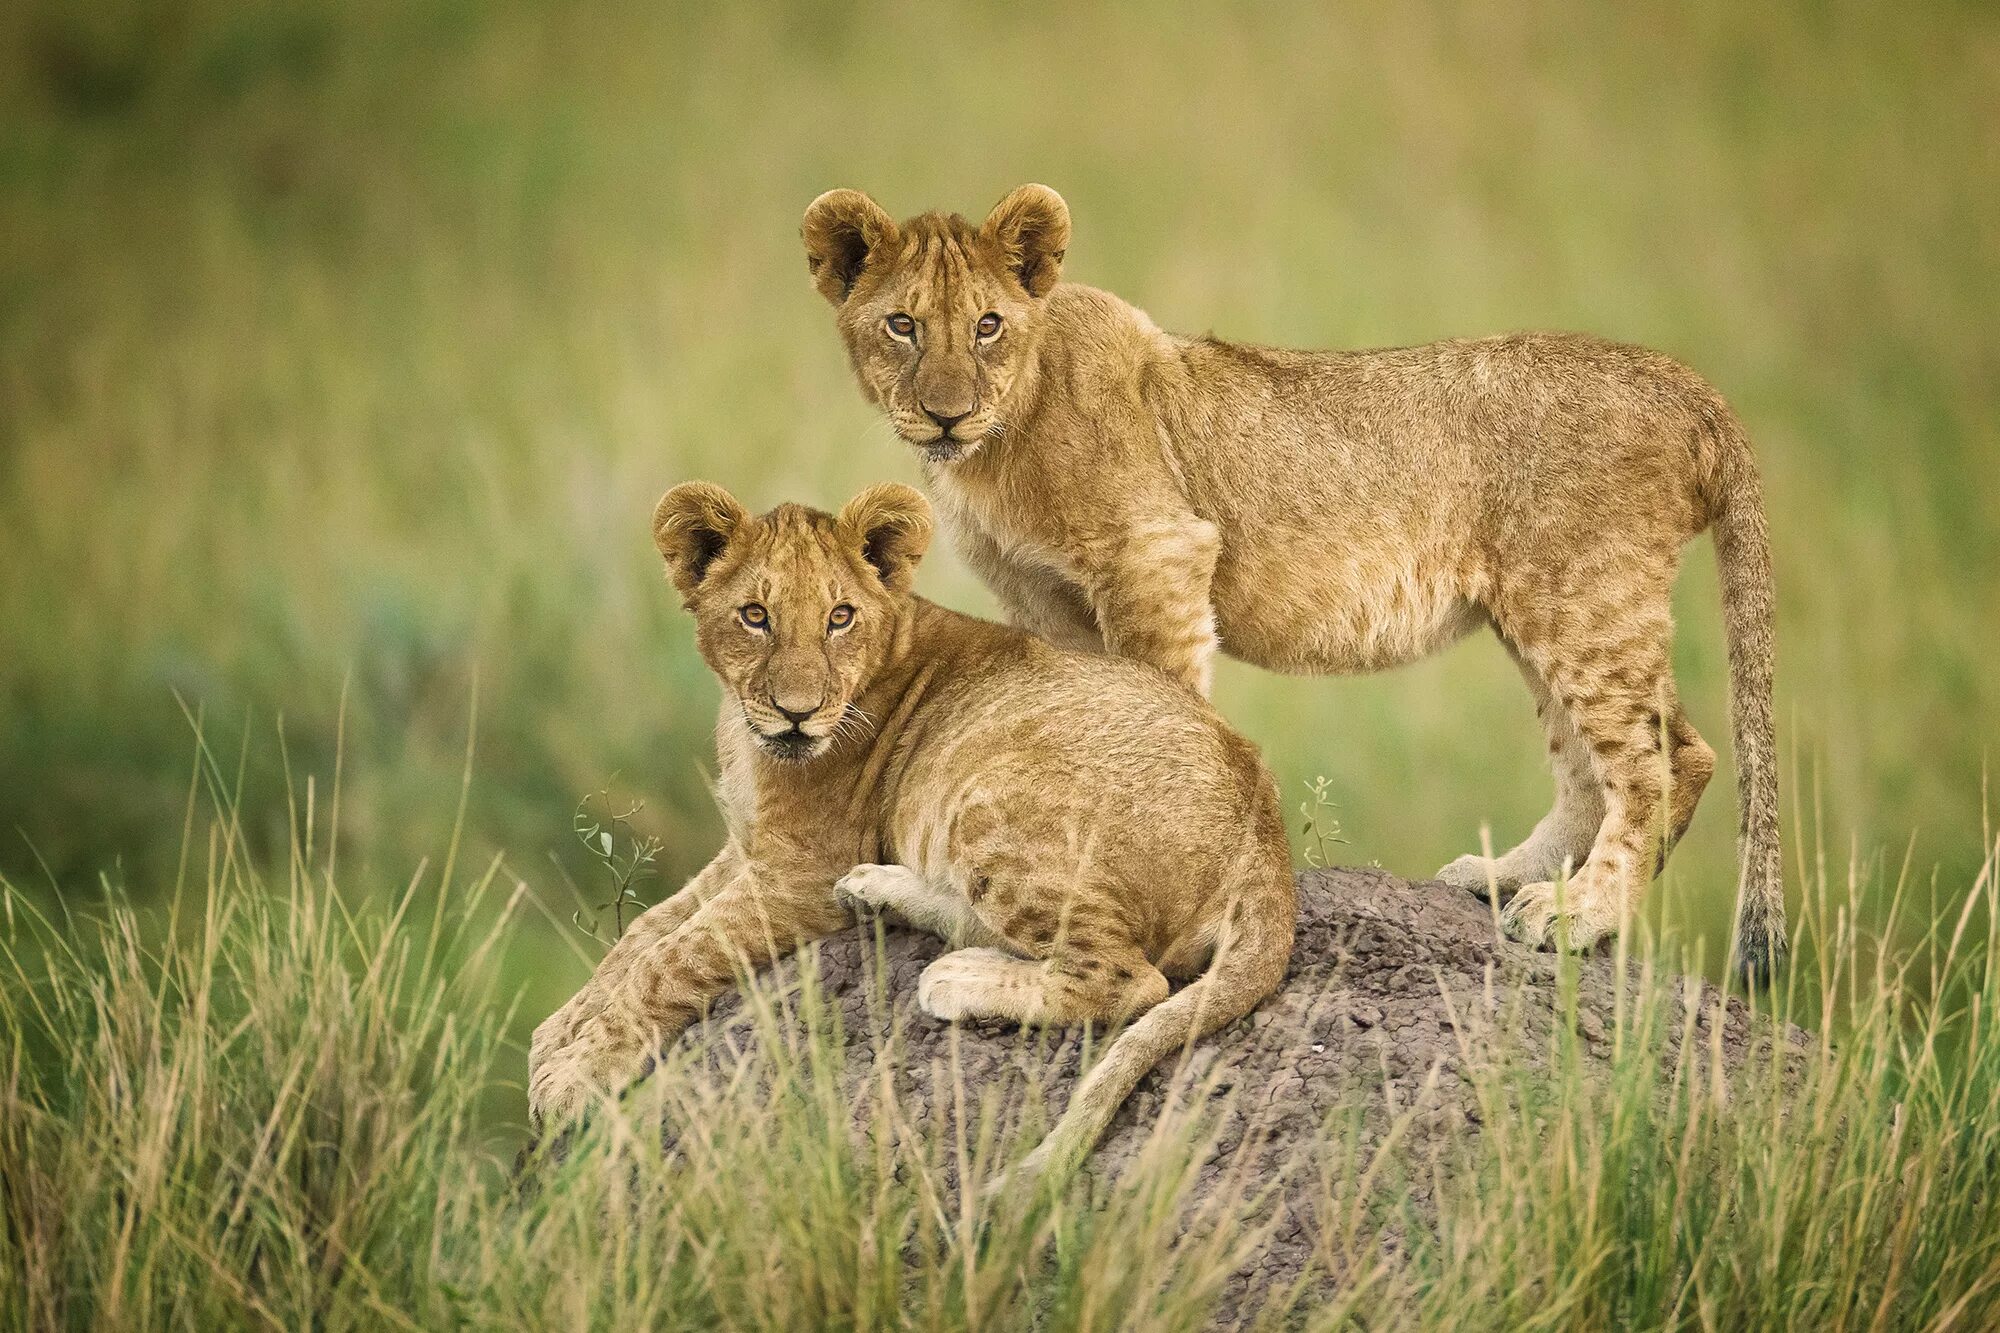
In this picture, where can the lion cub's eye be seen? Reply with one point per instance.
(989, 326)
(842, 617)
(753, 615)
(901, 326)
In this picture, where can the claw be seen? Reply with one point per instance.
(1575, 919)
(1480, 877)
(1533, 915)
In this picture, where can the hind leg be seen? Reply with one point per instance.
(1690, 764)
(1058, 949)
(1063, 989)
(1610, 675)
(1562, 840)
(1066, 960)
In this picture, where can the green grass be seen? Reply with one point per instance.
(278, 1114)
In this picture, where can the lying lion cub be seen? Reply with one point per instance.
(1079, 828)
(1160, 496)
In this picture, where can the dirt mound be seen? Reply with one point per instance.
(1393, 987)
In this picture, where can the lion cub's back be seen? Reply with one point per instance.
(1052, 732)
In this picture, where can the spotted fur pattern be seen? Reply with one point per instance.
(1166, 497)
(1079, 826)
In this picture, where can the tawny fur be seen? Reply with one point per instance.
(1080, 827)
(1165, 497)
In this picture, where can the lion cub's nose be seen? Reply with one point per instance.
(795, 716)
(945, 421)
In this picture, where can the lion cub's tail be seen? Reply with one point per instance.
(1743, 560)
(1251, 954)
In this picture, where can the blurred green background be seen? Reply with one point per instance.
(348, 346)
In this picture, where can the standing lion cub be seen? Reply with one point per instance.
(1079, 828)
(1161, 497)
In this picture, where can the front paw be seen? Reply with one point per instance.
(867, 889)
(559, 1091)
(592, 1068)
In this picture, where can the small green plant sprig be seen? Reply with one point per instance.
(1321, 826)
(626, 855)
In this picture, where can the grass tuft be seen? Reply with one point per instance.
(272, 1105)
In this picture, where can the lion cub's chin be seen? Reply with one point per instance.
(943, 449)
(792, 747)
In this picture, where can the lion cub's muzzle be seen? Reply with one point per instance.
(942, 442)
(790, 734)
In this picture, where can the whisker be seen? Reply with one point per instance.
(855, 721)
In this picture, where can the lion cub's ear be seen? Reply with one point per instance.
(692, 525)
(1031, 226)
(892, 525)
(842, 229)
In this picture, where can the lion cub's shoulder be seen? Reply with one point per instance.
(1094, 343)
(1079, 311)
